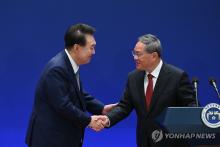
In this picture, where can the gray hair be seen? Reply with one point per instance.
(152, 43)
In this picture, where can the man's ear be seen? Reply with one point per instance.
(75, 47)
(155, 54)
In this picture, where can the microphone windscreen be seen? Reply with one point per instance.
(211, 80)
(195, 79)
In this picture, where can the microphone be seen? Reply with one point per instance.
(212, 82)
(195, 82)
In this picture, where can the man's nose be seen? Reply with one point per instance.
(93, 52)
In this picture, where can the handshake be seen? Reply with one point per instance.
(98, 122)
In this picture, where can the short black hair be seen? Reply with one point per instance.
(75, 34)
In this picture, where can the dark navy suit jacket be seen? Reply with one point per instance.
(59, 115)
(172, 88)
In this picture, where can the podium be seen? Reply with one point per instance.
(187, 121)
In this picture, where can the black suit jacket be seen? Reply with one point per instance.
(172, 89)
(59, 113)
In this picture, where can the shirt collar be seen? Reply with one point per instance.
(73, 63)
(156, 71)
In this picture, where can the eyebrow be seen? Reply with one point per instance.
(137, 51)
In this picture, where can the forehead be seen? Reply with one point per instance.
(90, 39)
(139, 46)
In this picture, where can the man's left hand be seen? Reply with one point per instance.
(108, 108)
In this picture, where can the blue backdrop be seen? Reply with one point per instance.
(31, 32)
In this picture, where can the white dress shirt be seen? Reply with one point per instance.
(155, 74)
(73, 63)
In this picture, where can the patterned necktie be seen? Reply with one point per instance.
(77, 79)
(149, 91)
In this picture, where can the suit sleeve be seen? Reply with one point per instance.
(58, 93)
(93, 105)
(186, 96)
(123, 109)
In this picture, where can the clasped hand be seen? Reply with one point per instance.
(98, 122)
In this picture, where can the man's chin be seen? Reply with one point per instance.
(85, 62)
(139, 68)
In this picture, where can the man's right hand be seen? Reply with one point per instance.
(97, 122)
(105, 121)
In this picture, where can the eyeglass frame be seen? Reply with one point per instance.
(139, 54)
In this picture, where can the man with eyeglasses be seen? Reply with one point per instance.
(59, 115)
(151, 88)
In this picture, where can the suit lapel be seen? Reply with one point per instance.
(161, 83)
(140, 86)
(72, 76)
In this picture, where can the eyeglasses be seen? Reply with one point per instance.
(137, 54)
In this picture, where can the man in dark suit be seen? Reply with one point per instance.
(151, 88)
(59, 115)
